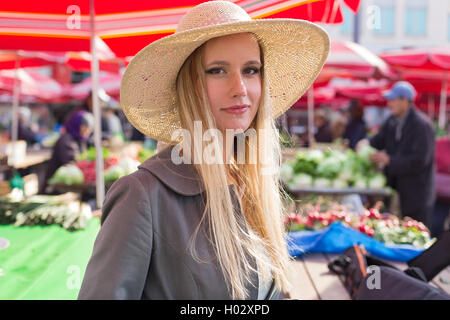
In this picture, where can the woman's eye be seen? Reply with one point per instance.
(214, 71)
(251, 70)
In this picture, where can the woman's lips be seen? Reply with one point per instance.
(237, 109)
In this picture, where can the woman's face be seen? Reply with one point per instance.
(85, 131)
(233, 81)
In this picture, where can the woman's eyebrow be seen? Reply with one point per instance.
(226, 63)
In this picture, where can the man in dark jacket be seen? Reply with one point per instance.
(407, 144)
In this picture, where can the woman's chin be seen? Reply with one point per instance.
(236, 124)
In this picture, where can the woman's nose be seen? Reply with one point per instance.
(238, 87)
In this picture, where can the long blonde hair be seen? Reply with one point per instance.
(258, 234)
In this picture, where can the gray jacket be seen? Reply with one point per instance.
(142, 249)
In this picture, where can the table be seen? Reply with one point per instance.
(336, 191)
(34, 157)
(44, 262)
(312, 279)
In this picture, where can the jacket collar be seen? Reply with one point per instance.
(181, 178)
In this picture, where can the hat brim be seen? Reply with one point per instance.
(389, 95)
(294, 54)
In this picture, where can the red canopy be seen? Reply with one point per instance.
(32, 84)
(128, 26)
(110, 82)
(358, 60)
(437, 59)
(428, 69)
(76, 60)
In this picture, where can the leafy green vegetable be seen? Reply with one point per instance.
(68, 174)
(377, 181)
(322, 183)
(144, 154)
(340, 169)
(91, 155)
(286, 172)
(114, 173)
(302, 180)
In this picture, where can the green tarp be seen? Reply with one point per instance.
(45, 262)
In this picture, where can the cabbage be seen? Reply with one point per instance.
(286, 172)
(346, 174)
(129, 165)
(302, 180)
(366, 151)
(68, 174)
(114, 173)
(329, 167)
(322, 183)
(360, 182)
(340, 184)
(314, 155)
(378, 181)
(339, 155)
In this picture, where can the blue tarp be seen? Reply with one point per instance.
(338, 237)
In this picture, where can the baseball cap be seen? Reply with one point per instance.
(401, 89)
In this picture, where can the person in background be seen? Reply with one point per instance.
(356, 129)
(72, 142)
(323, 131)
(338, 127)
(110, 116)
(25, 130)
(87, 106)
(406, 144)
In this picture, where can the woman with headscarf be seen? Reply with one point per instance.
(72, 142)
(203, 218)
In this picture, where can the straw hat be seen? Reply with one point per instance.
(294, 53)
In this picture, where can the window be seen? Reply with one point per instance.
(386, 25)
(416, 21)
(448, 27)
(349, 20)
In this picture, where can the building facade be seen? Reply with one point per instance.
(386, 25)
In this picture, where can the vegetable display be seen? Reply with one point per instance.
(84, 169)
(333, 169)
(384, 227)
(63, 210)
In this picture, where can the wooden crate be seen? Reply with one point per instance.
(4, 188)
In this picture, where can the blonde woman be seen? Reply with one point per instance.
(202, 219)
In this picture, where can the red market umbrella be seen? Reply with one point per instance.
(367, 92)
(110, 82)
(428, 61)
(31, 84)
(437, 59)
(324, 94)
(76, 60)
(128, 26)
(358, 60)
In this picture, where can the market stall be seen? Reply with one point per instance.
(332, 170)
(120, 159)
(45, 244)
